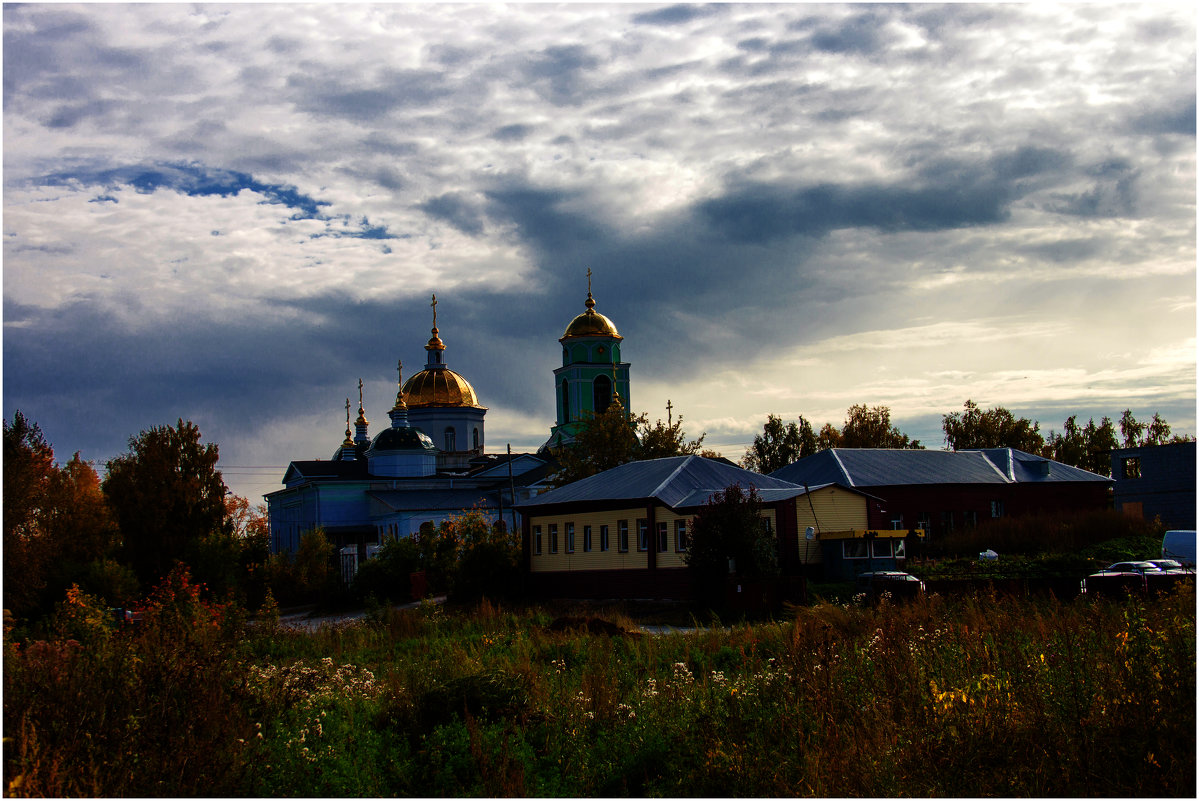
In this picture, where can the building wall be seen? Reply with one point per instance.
(612, 559)
(1156, 481)
(826, 510)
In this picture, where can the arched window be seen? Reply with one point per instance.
(449, 439)
(602, 393)
(476, 445)
(565, 404)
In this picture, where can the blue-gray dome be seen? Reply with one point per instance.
(402, 439)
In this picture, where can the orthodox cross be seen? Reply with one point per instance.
(347, 414)
(669, 407)
(434, 305)
(359, 392)
(588, 280)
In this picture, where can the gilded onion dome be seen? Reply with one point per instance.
(590, 323)
(438, 385)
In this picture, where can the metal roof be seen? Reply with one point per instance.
(455, 500)
(879, 467)
(670, 480)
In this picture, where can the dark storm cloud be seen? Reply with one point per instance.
(511, 133)
(458, 210)
(545, 218)
(560, 74)
(1176, 118)
(675, 15)
(366, 98)
(858, 34)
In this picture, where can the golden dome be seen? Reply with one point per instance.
(591, 323)
(439, 386)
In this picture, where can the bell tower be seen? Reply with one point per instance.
(592, 373)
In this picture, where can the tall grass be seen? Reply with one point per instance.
(976, 696)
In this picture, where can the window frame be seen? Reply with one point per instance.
(553, 532)
(537, 540)
(643, 534)
(663, 536)
(570, 536)
(603, 537)
(845, 554)
(682, 536)
(586, 539)
(622, 535)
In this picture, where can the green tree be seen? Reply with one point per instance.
(1088, 447)
(665, 439)
(729, 534)
(871, 428)
(779, 445)
(28, 466)
(610, 439)
(167, 496)
(1132, 431)
(993, 428)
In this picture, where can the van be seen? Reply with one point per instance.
(1179, 545)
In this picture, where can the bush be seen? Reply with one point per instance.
(387, 576)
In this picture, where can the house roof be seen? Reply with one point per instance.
(881, 467)
(673, 480)
(440, 500)
(333, 468)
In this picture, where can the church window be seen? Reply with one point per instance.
(603, 538)
(602, 391)
(622, 528)
(565, 404)
(449, 439)
(570, 537)
(643, 535)
(586, 539)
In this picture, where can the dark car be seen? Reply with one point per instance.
(898, 584)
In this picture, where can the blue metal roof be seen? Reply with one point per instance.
(879, 467)
(453, 500)
(670, 480)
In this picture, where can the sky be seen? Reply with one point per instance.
(230, 214)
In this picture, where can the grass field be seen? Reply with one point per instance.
(975, 696)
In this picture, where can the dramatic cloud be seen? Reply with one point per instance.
(231, 213)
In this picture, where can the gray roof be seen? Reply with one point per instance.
(453, 500)
(672, 480)
(880, 467)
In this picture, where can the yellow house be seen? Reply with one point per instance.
(624, 533)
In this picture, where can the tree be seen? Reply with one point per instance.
(666, 439)
(994, 428)
(610, 439)
(56, 520)
(1132, 431)
(730, 526)
(777, 446)
(28, 465)
(167, 496)
(1087, 447)
(871, 428)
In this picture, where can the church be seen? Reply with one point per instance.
(429, 463)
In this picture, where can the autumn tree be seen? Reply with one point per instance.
(665, 439)
(56, 522)
(168, 497)
(974, 428)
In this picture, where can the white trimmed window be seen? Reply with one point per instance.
(603, 538)
(622, 529)
(536, 539)
(570, 537)
(853, 549)
(681, 538)
(586, 539)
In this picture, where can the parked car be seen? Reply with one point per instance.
(1172, 566)
(1120, 578)
(898, 584)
